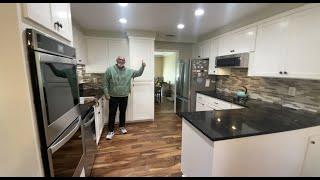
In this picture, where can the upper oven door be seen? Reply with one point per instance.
(58, 86)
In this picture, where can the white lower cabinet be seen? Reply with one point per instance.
(311, 164)
(99, 115)
(207, 103)
(196, 152)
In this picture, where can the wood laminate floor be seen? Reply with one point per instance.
(149, 149)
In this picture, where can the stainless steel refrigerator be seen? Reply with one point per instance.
(192, 76)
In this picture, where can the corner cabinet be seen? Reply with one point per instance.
(54, 16)
(80, 45)
(288, 47)
(205, 49)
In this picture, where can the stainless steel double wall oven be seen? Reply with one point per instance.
(56, 99)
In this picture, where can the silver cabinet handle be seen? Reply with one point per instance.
(54, 147)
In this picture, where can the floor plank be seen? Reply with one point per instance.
(149, 149)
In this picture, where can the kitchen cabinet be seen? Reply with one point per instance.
(100, 117)
(238, 42)
(97, 55)
(205, 49)
(302, 58)
(271, 47)
(206, 103)
(311, 161)
(212, 60)
(80, 45)
(142, 49)
(54, 16)
(142, 94)
(102, 53)
(288, 47)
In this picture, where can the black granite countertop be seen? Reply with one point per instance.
(89, 92)
(256, 118)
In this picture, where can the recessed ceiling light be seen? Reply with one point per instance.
(123, 20)
(199, 12)
(123, 4)
(180, 26)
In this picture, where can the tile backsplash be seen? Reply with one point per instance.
(90, 80)
(274, 90)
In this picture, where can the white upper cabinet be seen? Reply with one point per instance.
(142, 49)
(288, 47)
(118, 47)
(80, 45)
(238, 42)
(212, 60)
(302, 59)
(102, 53)
(39, 13)
(61, 18)
(97, 55)
(270, 49)
(205, 48)
(54, 16)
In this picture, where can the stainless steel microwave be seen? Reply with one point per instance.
(233, 61)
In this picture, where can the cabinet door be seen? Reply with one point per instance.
(117, 48)
(213, 54)
(142, 49)
(311, 162)
(60, 13)
(39, 13)
(205, 48)
(302, 59)
(244, 41)
(142, 101)
(270, 52)
(225, 45)
(97, 55)
(82, 46)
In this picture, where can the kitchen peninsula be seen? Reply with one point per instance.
(261, 139)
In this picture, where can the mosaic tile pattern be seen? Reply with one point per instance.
(89, 80)
(274, 89)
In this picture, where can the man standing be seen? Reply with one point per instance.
(117, 83)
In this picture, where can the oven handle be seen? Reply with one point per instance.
(54, 147)
(88, 123)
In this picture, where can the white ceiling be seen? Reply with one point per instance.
(162, 17)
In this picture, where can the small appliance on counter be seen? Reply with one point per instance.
(241, 95)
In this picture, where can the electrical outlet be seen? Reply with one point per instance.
(292, 91)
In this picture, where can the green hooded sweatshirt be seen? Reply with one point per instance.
(117, 83)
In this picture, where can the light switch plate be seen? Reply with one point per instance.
(292, 91)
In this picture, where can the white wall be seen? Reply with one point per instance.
(20, 151)
(184, 49)
(169, 68)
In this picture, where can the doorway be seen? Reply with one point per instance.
(164, 87)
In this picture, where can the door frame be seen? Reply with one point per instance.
(175, 73)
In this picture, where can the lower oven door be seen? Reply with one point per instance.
(66, 155)
(89, 141)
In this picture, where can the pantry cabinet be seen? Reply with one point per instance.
(288, 47)
(238, 42)
(54, 16)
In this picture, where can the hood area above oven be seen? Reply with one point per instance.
(240, 60)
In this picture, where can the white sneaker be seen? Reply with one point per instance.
(123, 130)
(110, 135)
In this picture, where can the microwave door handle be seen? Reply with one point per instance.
(89, 122)
(54, 147)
